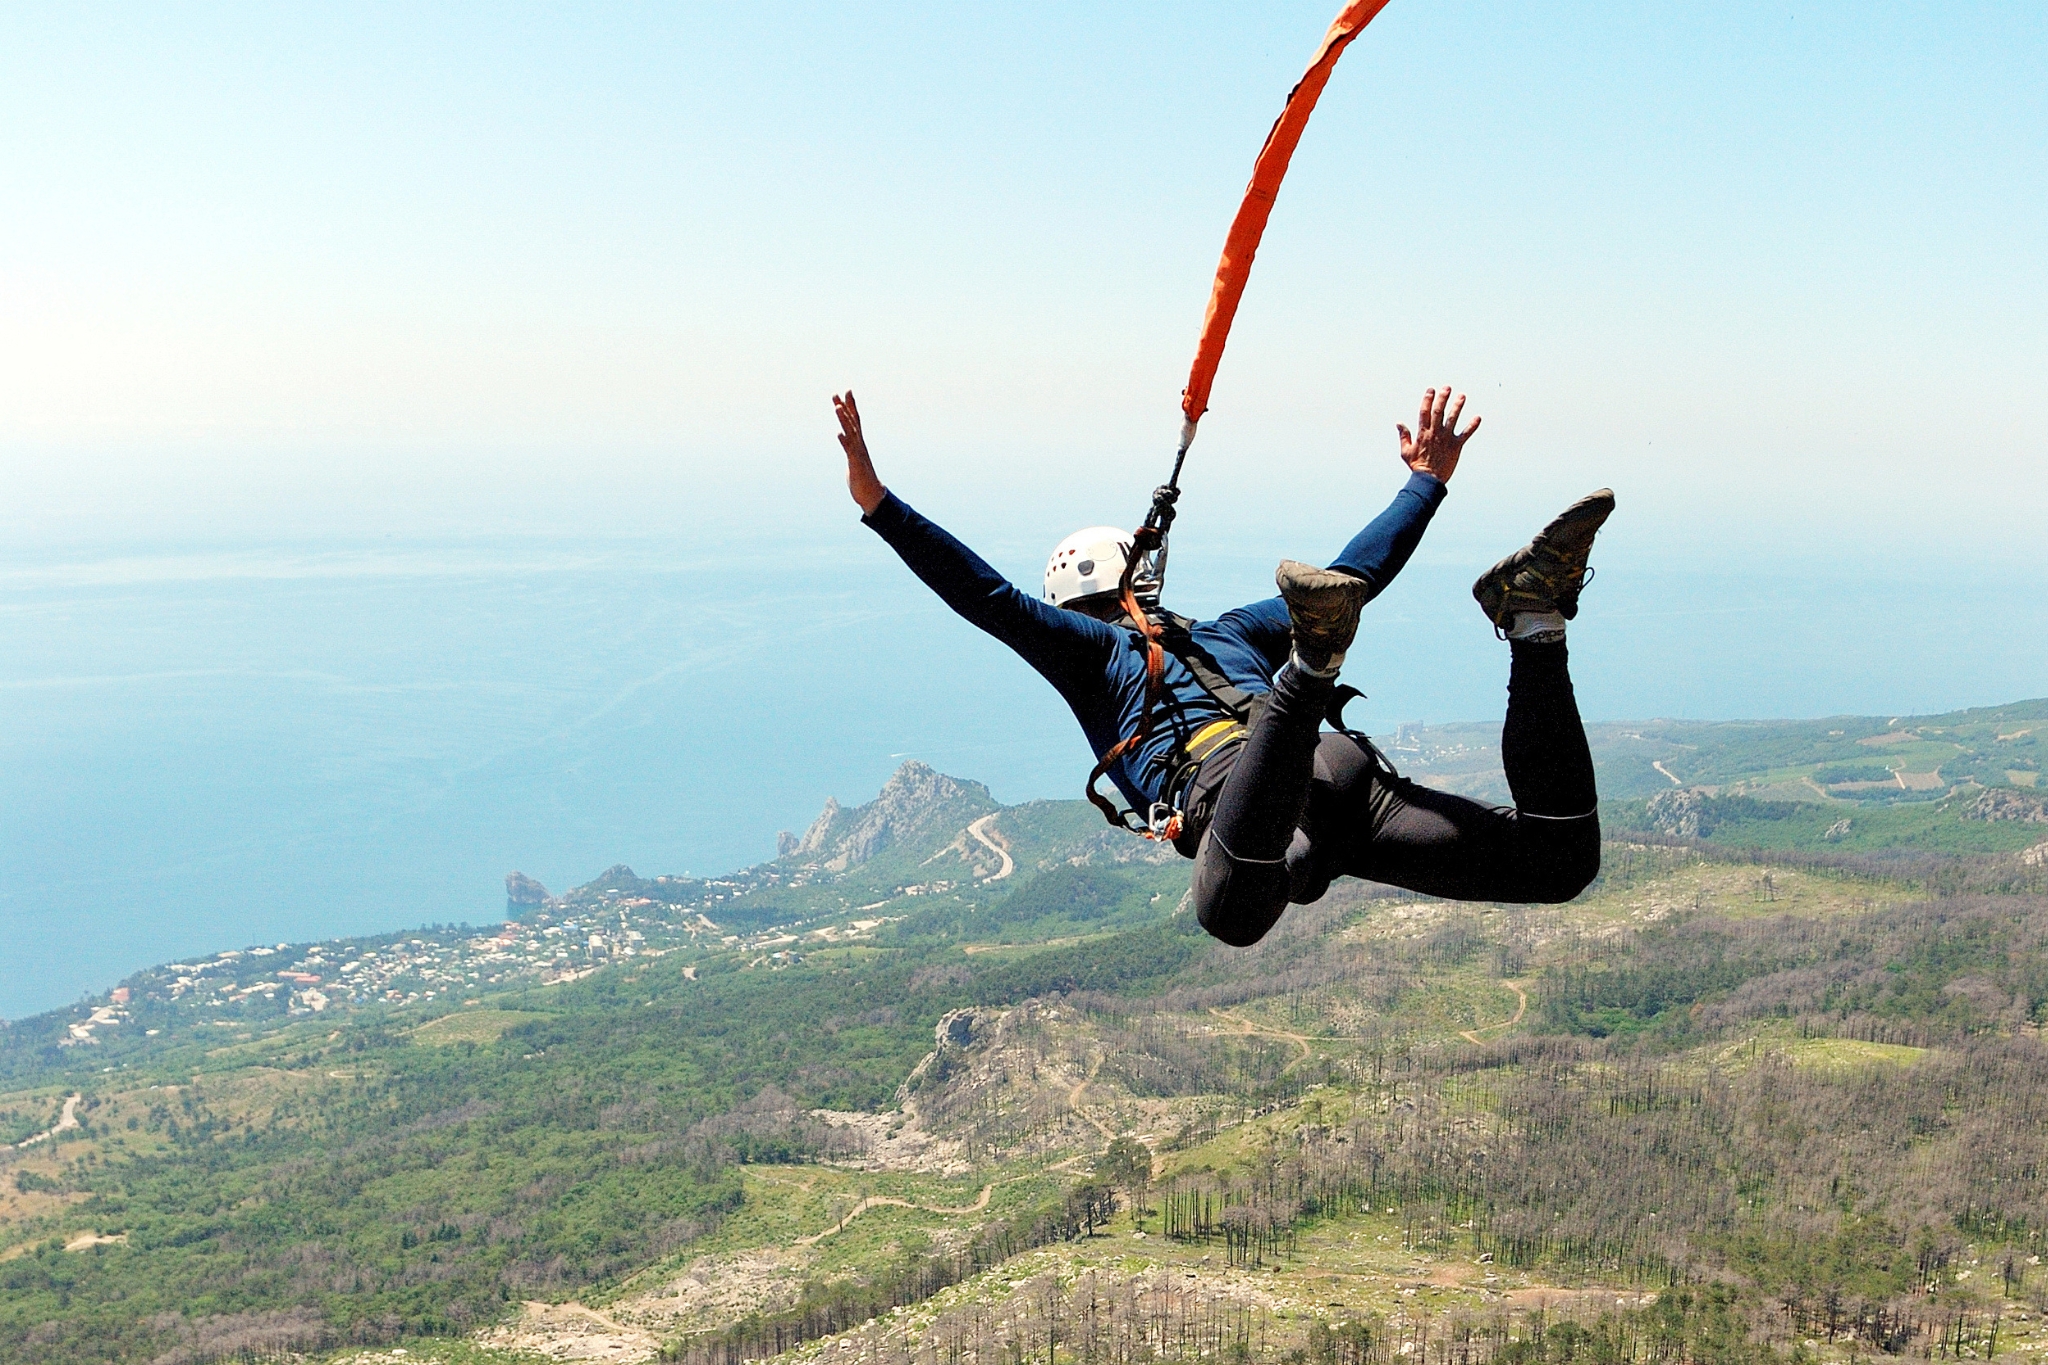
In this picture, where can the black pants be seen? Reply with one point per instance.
(1283, 814)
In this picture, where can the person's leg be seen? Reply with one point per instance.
(1545, 849)
(1543, 744)
(1241, 879)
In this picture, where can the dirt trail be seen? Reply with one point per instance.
(66, 1121)
(1109, 1134)
(877, 1201)
(1246, 1026)
(573, 1331)
(1074, 1103)
(978, 832)
(1471, 1035)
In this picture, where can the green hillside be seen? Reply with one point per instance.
(951, 1080)
(1963, 782)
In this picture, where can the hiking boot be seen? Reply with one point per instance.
(1323, 607)
(1548, 573)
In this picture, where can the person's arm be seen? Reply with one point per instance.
(1375, 554)
(1065, 646)
(1381, 550)
(867, 490)
(1069, 649)
(1260, 629)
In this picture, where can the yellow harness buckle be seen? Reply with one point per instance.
(1212, 737)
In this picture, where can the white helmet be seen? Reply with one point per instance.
(1087, 564)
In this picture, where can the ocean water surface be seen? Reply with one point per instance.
(210, 748)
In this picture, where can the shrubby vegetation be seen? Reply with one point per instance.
(394, 1190)
(1787, 1126)
(825, 1309)
(1923, 973)
(1900, 825)
(1852, 772)
(1059, 902)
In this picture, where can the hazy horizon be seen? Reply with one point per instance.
(212, 750)
(417, 461)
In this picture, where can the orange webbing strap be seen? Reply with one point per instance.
(1250, 224)
(1143, 543)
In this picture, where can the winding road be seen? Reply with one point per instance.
(978, 832)
(66, 1120)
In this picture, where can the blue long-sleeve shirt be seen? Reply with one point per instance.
(1099, 669)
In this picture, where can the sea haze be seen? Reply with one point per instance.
(213, 748)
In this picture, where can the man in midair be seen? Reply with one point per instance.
(1271, 807)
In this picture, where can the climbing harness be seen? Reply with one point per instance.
(1149, 545)
(1168, 634)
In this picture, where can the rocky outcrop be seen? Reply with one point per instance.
(523, 892)
(918, 803)
(915, 816)
(1996, 805)
(964, 1028)
(1677, 813)
(814, 837)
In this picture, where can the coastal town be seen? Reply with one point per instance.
(550, 941)
(389, 970)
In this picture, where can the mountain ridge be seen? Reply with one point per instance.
(915, 797)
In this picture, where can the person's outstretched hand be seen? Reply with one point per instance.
(1436, 444)
(867, 490)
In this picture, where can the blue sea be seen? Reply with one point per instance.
(215, 747)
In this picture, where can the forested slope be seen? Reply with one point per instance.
(953, 1057)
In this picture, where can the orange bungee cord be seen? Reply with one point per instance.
(1233, 270)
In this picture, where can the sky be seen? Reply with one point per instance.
(1772, 271)
(416, 461)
